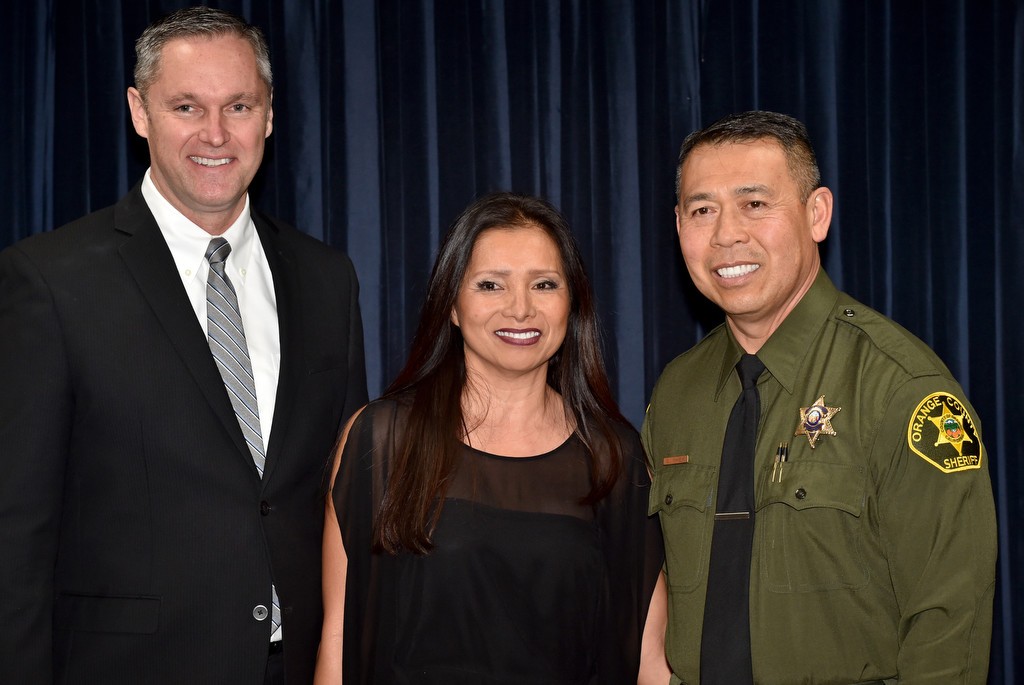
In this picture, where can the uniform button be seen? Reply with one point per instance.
(264, 507)
(848, 312)
(259, 612)
(800, 493)
(668, 499)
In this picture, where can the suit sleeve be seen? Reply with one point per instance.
(938, 528)
(35, 422)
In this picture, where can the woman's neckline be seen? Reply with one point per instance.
(531, 457)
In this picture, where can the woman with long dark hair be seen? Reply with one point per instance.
(487, 521)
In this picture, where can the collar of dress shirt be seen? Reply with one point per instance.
(188, 242)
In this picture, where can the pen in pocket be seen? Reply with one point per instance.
(781, 457)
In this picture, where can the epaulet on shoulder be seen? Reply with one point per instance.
(904, 348)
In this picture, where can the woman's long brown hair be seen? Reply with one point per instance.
(435, 377)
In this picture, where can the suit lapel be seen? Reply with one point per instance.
(149, 260)
(284, 270)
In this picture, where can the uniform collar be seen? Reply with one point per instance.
(783, 353)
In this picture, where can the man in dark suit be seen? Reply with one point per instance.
(174, 372)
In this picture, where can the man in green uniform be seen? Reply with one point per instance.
(873, 527)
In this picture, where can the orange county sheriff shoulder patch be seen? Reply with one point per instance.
(942, 432)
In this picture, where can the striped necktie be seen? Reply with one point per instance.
(227, 342)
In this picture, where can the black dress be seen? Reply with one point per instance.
(524, 584)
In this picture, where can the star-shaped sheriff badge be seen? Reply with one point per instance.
(816, 419)
(951, 429)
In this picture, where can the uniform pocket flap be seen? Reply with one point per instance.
(807, 484)
(106, 614)
(682, 485)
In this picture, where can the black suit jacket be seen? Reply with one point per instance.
(136, 538)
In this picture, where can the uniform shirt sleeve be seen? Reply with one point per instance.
(937, 524)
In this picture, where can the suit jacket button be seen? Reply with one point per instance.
(260, 613)
(264, 507)
(668, 499)
(800, 493)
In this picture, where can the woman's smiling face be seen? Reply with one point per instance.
(513, 304)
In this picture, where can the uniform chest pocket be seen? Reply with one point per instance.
(810, 528)
(681, 496)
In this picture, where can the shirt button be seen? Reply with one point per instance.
(800, 493)
(668, 499)
(265, 508)
(259, 612)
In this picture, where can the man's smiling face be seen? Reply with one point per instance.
(205, 116)
(749, 241)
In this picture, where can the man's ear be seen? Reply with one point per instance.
(138, 109)
(270, 115)
(819, 210)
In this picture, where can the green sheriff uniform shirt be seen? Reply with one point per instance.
(875, 541)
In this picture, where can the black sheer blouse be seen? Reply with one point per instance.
(524, 584)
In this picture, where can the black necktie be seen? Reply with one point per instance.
(725, 640)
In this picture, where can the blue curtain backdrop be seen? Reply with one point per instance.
(393, 115)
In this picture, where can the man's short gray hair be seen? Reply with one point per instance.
(196, 22)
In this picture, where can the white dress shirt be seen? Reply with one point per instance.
(249, 272)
